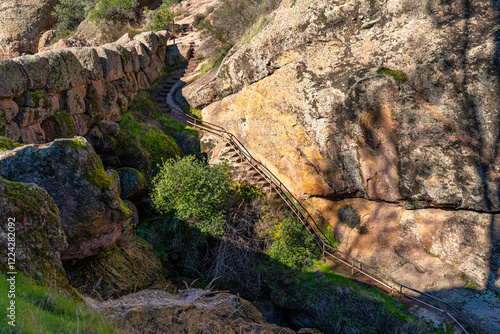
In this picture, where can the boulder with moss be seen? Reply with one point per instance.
(128, 266)
(133, 183)
(30, 219)
(92, 213)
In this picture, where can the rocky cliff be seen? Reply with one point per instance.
(22, 23)
(382, 116)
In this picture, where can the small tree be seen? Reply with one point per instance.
(69, 13)
(195, 191)
(163, 16)
(114, 10)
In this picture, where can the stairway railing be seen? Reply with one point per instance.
(309, 223)
(321, 239)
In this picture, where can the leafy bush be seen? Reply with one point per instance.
(69, 13)
(114, 10)
(197, 192)
(292, 245)
(163, 16)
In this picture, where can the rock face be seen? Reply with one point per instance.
(129, 266)
(22, 23)
(387, 110)
(190, 311)
(92, 214)
(31, 220)
(133, 183)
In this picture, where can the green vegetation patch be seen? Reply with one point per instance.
(137, 136)
(7, 144)
(65, 127)
(291, 244)
(150, 137)
(45, 310)
(197, 192)
(162, 16)
(398, 75)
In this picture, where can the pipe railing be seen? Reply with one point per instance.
(307, 220)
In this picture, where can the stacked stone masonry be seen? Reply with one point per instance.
(63, 93)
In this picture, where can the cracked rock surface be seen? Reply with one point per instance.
(383, 110)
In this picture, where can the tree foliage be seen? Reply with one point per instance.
(114, 10)
(195, 191)
(69, 13)
(162, 16)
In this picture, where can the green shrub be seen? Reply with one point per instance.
(162, 16)
(292, 245)
(69, 13)
(197, 192)
(114, 10)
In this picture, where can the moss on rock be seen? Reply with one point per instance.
(144, 145)
(7, 144)
(129, 266)
(398, 75)
(28, 211)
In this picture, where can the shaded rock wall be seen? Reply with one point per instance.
(412, 154)
(62, 93)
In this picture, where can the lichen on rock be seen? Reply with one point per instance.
(30, 224)
(92, 214)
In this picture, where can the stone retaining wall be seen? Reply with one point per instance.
(62, 93)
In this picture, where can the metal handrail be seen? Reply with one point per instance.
(307, 220)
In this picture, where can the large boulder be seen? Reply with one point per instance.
(13, 79)
(30, 219)
(92, 214)
(391, 104)
(65, 70)
(150, 41)
(22, 23)
(111, 63)
(36, 68)
(90, 61)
